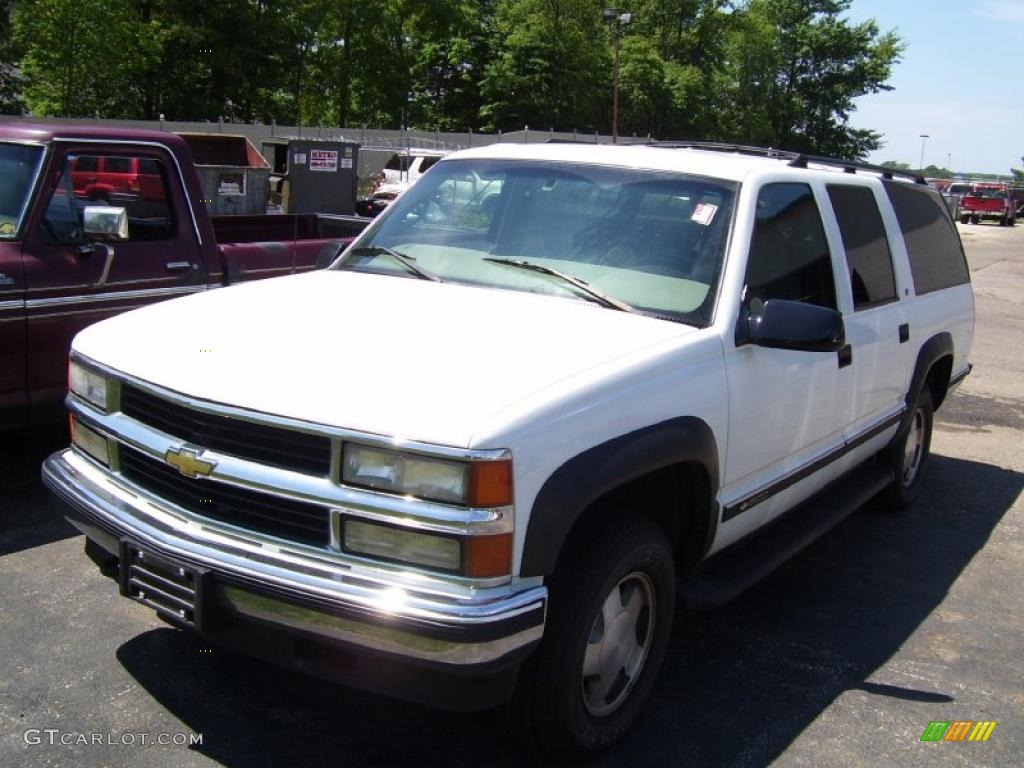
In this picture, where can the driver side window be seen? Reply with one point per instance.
(136, 183)
(789, 257)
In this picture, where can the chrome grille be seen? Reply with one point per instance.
(297, 521)
(274, 446)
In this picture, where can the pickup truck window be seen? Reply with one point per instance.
(652, 239)
(789, 257)
(137, 184)
(937, 259)
(867, 248)
(18, 166)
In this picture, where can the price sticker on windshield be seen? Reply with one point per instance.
(704, 213)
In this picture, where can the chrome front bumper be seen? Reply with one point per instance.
(294, 591)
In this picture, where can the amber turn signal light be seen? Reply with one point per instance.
(490, 483)
(486, 557)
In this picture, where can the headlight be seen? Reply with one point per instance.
(90, 441)
(486, 483)
(88, 385)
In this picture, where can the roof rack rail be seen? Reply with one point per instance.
(852, 166)
(742, 149)
(796, 159)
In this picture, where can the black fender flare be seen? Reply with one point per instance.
(583, 479)
(937, 347)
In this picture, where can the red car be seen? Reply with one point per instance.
(988, 200)
(116, 179)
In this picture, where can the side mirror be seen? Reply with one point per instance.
(105, 223)
(780, 324)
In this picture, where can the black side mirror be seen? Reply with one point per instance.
(781, 324)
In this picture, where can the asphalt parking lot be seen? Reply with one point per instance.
(840, 658)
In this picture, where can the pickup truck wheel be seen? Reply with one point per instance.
(964, 219)
(908, 455)
(609, 621)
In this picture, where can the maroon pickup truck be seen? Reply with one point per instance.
(67, 261)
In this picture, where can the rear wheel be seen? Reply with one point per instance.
(965, 219)
(609, 621)
(908, 455)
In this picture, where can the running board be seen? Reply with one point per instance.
(739, 567)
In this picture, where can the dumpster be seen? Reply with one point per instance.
(322, 176)
(234, 176)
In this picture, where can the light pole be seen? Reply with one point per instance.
(924, 140)
(949, 162)
(619, 19)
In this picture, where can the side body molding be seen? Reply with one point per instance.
(585, 478)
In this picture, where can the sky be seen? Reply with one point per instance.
(961, 81)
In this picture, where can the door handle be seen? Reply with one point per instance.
(845, 355)
(904, 333)
(180, 266)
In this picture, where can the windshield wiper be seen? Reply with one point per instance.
(581, 285)
(401, 258)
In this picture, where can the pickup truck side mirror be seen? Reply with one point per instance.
(105, 223)
(781, 324)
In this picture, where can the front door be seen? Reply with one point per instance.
(787, 409)
(72, 283)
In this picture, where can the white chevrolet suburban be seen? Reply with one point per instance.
(552, 391)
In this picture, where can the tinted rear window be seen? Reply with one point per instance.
(936, 257)
(87, 163)
(867, 248)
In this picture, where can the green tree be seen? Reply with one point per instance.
(549, 67)
(10, 79)
(796, 67)
(80, 56)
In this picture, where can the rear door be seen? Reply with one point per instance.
(877, 330)
(72, 283)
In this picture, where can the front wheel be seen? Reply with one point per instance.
(908, 455)
(609, 620)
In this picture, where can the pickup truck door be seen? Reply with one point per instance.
(877, 329)
(787, 409)
(13, 398)
(72, 283)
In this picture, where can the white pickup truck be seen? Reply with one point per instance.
(552, 391)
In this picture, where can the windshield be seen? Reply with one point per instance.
(649, 239)
(18, 164)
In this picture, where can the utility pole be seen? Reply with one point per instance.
(924, 140)
(620, 20)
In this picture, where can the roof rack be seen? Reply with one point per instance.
(743, 149)
(796, 159)
(852, 166)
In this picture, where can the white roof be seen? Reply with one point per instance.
(722, 165)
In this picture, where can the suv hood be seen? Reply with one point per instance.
(388, 355)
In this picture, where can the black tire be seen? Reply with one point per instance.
(908, 455)
(965, 219)
(975, 219)
(621, 561)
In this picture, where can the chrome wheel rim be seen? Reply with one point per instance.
(913, 448)
(618, 644)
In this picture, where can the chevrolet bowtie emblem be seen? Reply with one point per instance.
(187, 461)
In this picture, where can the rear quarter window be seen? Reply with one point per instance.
(936, 257)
